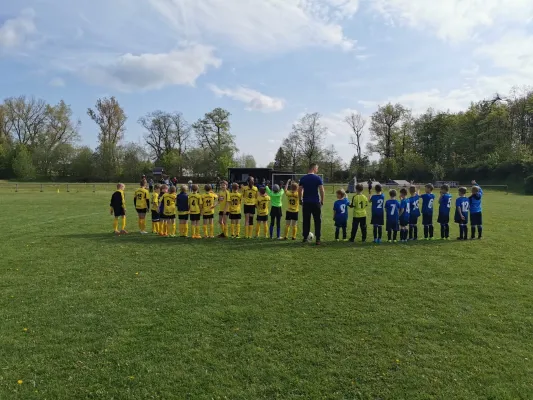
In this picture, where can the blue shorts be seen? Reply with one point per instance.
(413, 219)
(443, 218)
(377, 220)
(476, 219)
(392, 225)
(404, 220)
(341, 224)
(427, 219)
(460, 221)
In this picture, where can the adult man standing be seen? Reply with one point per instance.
(311, 186)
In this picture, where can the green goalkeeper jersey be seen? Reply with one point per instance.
(275, 198)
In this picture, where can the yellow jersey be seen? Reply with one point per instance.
(209, 202)
(223, 198)
(250, 195)
(155, 202)
(195, 203)
(169, 204)
(141, 198)
(263, 202)
(359, 204)
(235, 200)
(294, 202)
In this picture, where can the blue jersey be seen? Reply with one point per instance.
(405, 205)
(341, 210)
(464, 204)
(427, 203)
(378, 202)
(393, 208)
(475, 202)
(445, 203)
(415, 205)
(182, 201)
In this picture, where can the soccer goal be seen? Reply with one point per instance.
(282, 178)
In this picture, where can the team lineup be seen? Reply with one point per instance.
(397, 215)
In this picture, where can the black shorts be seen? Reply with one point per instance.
(222, 213)
(170, 217)
(413, 219)
(443, 219)
(458, 219)
(262, 218)
(341, 224)
(184, 217)
(427, 219)
(392, 225)
(276, 212)
(235, 217)
(377, 220)
(141, 210)
(210, 216)
(195, 217)
(404, 221)
(119, 212)
(155, 216)
(249, 209)
(476, 219)
(291, 216)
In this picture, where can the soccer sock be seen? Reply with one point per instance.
(343, 233)
(395, 235)
(140, 224)
(447, 230)
(473, 232)
(174, 228)
(431, 229)
(265, 229)
(257, 230)
(278, 231)
(186, 229)
(115, 225)
(295, 230)
(411, 228)
(442, 233)
(380, 232)
(337, 229)
(415, 232)
(375, 232)
(212, 230)
(226, 229)
(465, 232)
(389, 234)
(479, 231)
(205, 230)
(287, 231)
(232, 229)
(238, 229)
(124, 223)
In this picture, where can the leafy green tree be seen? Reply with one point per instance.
(23, 164)
(383, 128)
(83, 165)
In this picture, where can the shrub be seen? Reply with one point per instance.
(528, 185)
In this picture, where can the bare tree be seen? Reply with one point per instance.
(291, 146)
(26, 119)
(357, 124)
(311, 135)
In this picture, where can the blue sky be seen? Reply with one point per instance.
(267, 61)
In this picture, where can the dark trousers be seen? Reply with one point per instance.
(315, 210)
(356, 223)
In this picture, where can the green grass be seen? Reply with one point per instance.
(158, 318)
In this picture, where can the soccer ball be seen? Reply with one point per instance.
(311, 236)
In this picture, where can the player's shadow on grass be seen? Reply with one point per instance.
(247, 243)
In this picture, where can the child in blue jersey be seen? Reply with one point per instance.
(476, 219)
(462, 206)
(445, 204)
(414, 203)
(428, 198)
(340, 214)
(392, 207)
(405, 213)
(378, 219)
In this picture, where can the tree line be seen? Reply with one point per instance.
(491, 140)
(40, 141)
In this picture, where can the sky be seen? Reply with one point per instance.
(267, 61)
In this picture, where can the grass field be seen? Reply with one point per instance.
(88, 315)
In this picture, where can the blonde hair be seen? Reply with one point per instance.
(120, 186)
(172, 189)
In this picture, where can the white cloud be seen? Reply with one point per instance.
(57, 82)
(455, 20)
(154, 71)
(254, 100)
(16, 31)
(270, 26)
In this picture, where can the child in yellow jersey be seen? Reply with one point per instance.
(359, 204)
(223, 197)
(235, 200)
(118, 209)
(142, 204)
(263, 203)
(167, 209)
(155, 209)
(249, 195)
(195, 208)
(293, 208)
(209, 202)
